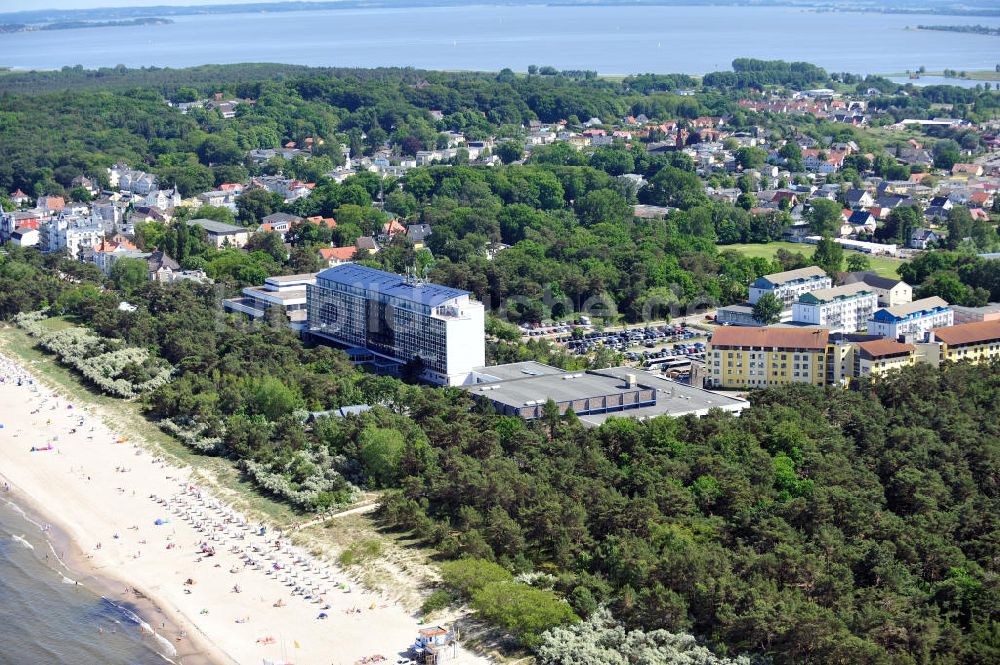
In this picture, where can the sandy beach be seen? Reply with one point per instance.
(226, 589)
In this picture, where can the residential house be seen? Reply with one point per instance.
(890, 291)
(218, 198)
(942, 202)
(967, 169)
(914, 319)
(11, 221)
(391, 229)
(279, 222)
(418, 233)
(862, 221)
(366, 245)
(85, 183)
(334, 256)
(163, 199)
(50, 204)
(106, 252)
(19, 198)
(24, 236)
(221, 234)
(859, 198)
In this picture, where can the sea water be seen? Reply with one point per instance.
(609, 40)
(48, 619)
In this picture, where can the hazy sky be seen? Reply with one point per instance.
(21, 5)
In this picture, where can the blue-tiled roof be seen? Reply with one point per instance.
(390, 284)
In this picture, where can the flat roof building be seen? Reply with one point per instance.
(400, 319)
(522, 389)
(287, 292)
(220, 233)
(989, 312)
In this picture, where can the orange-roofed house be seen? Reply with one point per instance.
(334, 256)
(967, 169)
(393, 228)
(319, 220)
(977, 342)
(744, 357)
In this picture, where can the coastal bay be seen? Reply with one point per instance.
(609, 40)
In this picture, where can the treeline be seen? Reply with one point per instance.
(753, 73)
(819, 526)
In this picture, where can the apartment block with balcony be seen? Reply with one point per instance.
(839, 309)
(740, 357)
(876, 358)
(977, 342)
(789, 285)
(399, 320)
(914, 319)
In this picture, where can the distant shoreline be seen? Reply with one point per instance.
(112, 14)
(7, 28)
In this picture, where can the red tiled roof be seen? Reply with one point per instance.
(339, 253)
(968, 333)
(771, 337)
(885, 347)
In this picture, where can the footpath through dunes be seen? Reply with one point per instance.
(237, 589)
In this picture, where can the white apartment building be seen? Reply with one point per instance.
(73, 234)
(914, 319)
(791, 284)
(839, 309)
(399, 320)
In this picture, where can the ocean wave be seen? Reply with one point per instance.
(164, 647)
(24, 542)
(66, 580)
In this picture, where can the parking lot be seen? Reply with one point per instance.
(667, 347)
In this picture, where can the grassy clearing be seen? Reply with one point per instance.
(882, 265)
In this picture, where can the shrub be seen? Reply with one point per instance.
(467, 576)
(603, 641)
(525, 611)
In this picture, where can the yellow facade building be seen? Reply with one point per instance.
(881, 356)
(741, 357)
(976, 342)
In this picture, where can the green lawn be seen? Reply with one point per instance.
(882, 265)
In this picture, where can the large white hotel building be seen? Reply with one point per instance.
(399, 319)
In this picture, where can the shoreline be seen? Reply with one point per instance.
(130, 517)
(75, 566)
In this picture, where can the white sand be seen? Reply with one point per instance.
(98, 491)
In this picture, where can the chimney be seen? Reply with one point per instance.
(630, 380)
